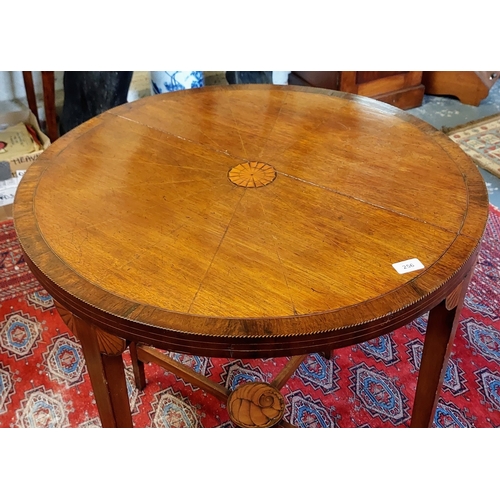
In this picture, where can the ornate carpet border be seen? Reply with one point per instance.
(480, 139)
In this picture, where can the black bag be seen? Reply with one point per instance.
(90, 93)
(234, 77)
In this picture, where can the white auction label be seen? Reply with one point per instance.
(407, 266)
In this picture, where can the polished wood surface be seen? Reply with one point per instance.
(250, 221)
(470, 87)
(256, 404)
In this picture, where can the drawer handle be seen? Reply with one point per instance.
(493, 76)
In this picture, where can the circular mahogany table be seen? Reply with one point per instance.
(251, 221)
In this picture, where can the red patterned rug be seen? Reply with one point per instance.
(44, 381)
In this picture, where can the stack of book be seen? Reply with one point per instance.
(17, 145)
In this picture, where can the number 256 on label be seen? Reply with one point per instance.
(407, 266)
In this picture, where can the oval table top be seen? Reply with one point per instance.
(251, 220)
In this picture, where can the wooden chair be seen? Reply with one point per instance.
(49, 101)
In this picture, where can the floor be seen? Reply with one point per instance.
(449, 112)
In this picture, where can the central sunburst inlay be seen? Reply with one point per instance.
(252, 174)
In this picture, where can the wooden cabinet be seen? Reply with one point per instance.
(403, 89)
(470, 87)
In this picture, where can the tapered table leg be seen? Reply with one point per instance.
(138, 367)
(103, 357)
(441, 329)
(107, 376)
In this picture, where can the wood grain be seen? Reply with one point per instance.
(255, 404)
(131, 220)
(108, 344)
(252, 174)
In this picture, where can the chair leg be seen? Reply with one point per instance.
(30, 92)
(49, 100)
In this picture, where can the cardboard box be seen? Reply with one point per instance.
(18, 165)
